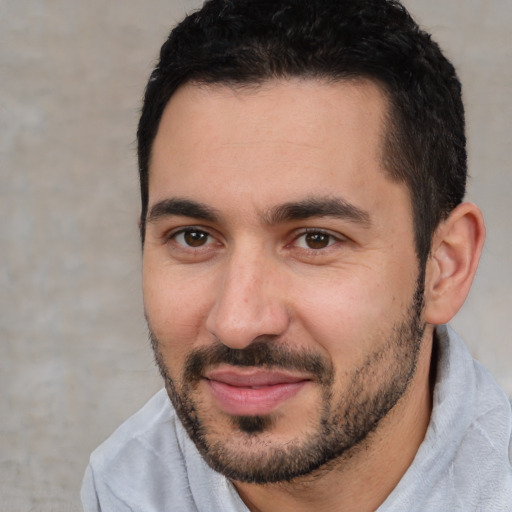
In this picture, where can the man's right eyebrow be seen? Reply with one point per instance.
(182, 208)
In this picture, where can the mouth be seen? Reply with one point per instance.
(252, 391)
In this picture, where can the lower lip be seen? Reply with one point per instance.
(242, 401)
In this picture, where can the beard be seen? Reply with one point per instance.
(248, 452)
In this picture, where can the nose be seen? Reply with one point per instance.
(249, 301)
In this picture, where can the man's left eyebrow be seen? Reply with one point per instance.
(317, 207)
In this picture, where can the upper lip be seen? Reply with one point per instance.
(253, 377)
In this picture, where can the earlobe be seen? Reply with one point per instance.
(451, 267)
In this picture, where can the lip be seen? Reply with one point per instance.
(252, 392)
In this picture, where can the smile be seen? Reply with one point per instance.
(253, 392)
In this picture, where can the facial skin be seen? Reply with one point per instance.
(281, 283)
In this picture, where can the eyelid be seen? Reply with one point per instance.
(337, 237)
(172, 234)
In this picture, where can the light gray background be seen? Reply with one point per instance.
(74, 356)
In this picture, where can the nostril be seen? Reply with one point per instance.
(241, 326)
(248, 302)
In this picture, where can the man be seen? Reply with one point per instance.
(303, 167)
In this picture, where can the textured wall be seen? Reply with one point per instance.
(74, 357)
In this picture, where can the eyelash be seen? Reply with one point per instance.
(324, 236)
(331, 239)
(189, 229)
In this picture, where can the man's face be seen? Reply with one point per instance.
(280, 278)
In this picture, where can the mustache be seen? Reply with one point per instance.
(261, 354)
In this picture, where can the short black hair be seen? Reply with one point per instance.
(241, 42)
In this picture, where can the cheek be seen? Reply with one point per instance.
(349, 313)
(176, 308)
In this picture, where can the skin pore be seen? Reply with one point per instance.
(282, 291)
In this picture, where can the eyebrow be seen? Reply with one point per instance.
(287, 212)
(318, 207)
(182, 208)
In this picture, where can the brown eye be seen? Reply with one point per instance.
(317, 240)
(192, 238)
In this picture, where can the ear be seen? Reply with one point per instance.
(456, 247)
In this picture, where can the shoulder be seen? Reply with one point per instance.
(474, 422)
(486, 447)
(139, 432)
(464, 462)
(150, 464)
(141, 465)
(478, 404)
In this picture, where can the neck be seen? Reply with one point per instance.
(362, 478)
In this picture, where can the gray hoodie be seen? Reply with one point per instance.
(464, 463)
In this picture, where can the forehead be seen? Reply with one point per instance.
(258, 142)
(303, 101)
